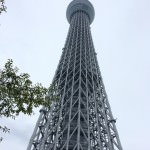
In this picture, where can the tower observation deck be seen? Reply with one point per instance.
(81, 117)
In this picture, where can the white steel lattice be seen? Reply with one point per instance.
(81, 119)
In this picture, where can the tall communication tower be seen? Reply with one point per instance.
(81, 118)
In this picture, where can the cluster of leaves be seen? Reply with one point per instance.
(5, 130)
(2, 6)
(17, 93)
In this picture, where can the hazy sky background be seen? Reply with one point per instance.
(33, 32)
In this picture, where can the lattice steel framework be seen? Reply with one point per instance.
(81, 119)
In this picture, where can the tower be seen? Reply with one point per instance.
(81, 118)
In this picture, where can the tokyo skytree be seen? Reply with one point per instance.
(81, 117)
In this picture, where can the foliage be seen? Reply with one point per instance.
(2, 6)
(19, 95)
(4, 129)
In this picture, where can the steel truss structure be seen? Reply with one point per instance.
(81, 119)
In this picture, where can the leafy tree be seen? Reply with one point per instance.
(19, 95)
(2, 6)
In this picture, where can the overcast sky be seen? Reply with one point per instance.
(33, 32)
